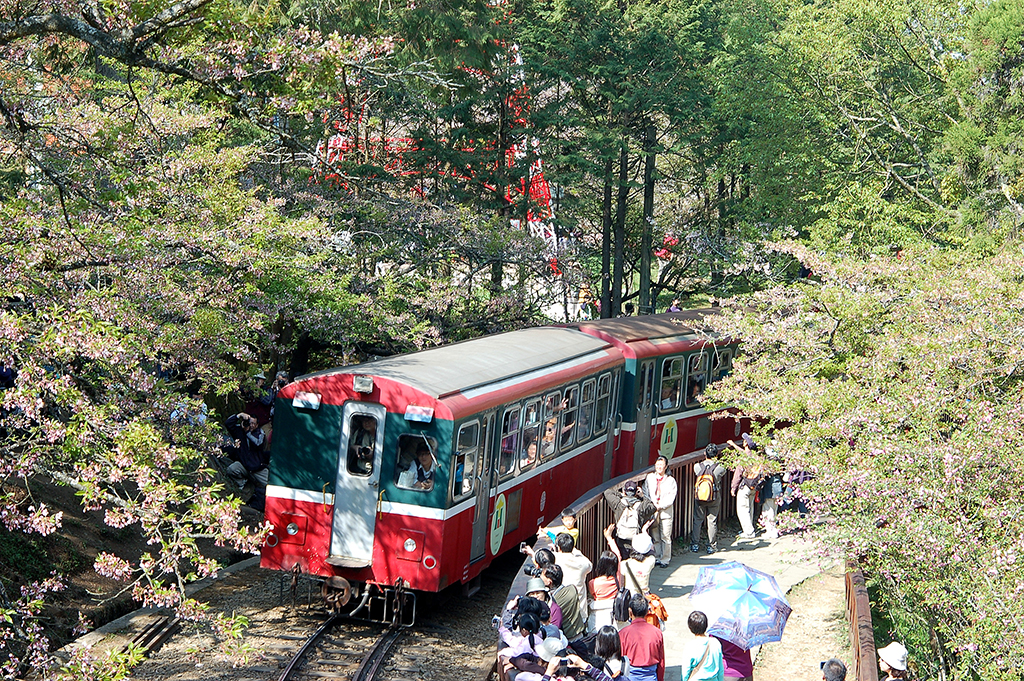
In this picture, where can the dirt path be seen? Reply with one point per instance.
(816, 631)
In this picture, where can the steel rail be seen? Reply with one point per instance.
(375, 657)
(307, 646)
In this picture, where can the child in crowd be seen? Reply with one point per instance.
(568, 527)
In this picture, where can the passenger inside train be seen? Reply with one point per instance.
(420, 473)
(361, 444)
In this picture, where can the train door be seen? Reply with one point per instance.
(607, 413)
(356, 484)
(644, 402)
(484, 480)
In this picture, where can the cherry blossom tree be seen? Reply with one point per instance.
(897, 381)
(164, 228)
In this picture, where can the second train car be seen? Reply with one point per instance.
(411, 473)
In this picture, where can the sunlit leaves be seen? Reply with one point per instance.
(898, 381)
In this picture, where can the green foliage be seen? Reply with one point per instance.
(35, 558)
(901, 394)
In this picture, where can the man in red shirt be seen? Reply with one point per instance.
(643, 644)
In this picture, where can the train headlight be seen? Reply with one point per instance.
(410, 545)
(292, 529)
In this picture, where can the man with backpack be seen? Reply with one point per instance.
(631, 511)
(707, 498)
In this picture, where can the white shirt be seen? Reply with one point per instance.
(410, 476)
(664, 494)
(641, 570)
(575, 568)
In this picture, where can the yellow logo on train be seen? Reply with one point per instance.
(498, 524)
(668, 439)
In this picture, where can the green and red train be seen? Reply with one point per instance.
(518, 425)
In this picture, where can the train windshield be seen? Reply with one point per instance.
(361, 444)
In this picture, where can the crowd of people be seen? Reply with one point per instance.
(602, 614)
(585, 619)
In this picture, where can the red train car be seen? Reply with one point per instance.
(668, 361)
(413, 472)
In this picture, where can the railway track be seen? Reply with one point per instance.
(355, 654)
(452, 641)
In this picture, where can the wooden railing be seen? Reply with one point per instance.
(593, 514)
(862, 634)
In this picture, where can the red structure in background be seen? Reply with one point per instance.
(389, 153)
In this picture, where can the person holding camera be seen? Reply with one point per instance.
(361, 444)
(631, 511)
(249, 462)
(562, 667)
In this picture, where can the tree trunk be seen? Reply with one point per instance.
(606, 242)
(300, 358)
(497, 273)
(716, 271)
(646, 304)
(620, 226)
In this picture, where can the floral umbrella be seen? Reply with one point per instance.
(743, 605)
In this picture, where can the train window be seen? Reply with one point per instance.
(646, 383)
(671, 383)
(721, 363)
(585, 421)
(509, 442)
(362, 438)
(417, 462)
(552, 405)
(531, 430)
(604, 398)
(464, 460)
(569, 413)
(696, 379)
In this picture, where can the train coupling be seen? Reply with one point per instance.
(382, 603)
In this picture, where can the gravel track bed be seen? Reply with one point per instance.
(452, 640)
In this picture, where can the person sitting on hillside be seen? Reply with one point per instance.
(248, 460)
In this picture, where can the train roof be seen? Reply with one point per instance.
(643, 327)
(481, 361)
